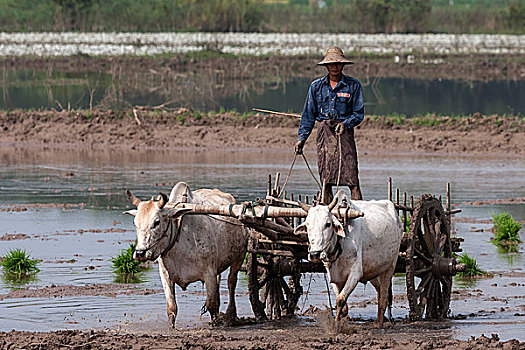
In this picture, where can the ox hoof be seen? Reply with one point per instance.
(230, 319)
(171, 320)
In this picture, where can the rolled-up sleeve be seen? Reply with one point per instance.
(358, 113)
(309, 115)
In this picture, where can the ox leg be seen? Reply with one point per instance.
(231, 312)
(169, 292)
(344, 310)
(385, 281)
(212, 296)
(350, 284)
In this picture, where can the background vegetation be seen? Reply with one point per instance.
(337, 16)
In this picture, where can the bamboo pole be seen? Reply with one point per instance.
(262, 240)
(272, 212)
(251, 221)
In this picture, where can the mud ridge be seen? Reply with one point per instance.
(487, 135)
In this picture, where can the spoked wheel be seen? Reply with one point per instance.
(273, 281)
(429, 262)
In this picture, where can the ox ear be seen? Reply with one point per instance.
(177, 212)
(163, 199)
(338, 227)
(131, 212)
(300, 229)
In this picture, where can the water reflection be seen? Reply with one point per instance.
(129, 278)
(511, 255)
(18, 280)
(217, 89)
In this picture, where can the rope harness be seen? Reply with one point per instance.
(173, 235)
(340, 160)
(290, 173)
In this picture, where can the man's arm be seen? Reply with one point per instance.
(309, 115)
(358, 107)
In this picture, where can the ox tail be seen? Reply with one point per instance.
(389, 307)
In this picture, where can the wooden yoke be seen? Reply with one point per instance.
(259, 211)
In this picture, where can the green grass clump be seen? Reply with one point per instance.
(17, 261)
(505, 229)
(124, 263)
(471, 267)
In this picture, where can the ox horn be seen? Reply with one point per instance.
(333, 203)
(162, 200)
(304, 206)
(132, 198)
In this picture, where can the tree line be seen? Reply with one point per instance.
(326, 16)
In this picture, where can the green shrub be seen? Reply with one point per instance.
(514, 14)
(505, 229)
(17, 261)
(471, 267)
(124, 263)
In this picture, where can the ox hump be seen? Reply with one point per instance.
(213, 196)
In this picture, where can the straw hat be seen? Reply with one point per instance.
(334, 55)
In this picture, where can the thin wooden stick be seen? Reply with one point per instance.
(277, 113)
(390, 189)
(269, 188)
(404, 211)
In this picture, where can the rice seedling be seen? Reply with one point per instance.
(471, 267)
(18, 262)
(505, 229)
(124, 263)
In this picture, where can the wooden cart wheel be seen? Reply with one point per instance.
(429, 262)
(270, 294)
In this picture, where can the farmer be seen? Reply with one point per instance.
(336, 101)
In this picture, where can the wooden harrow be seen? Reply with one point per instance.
(277, 257)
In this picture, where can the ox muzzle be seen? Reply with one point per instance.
(140, 255)
(317, 256)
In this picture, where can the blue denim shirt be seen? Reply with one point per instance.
(344, 102)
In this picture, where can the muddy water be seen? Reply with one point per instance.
(76, 240)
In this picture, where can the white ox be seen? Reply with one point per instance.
(365, 250)
(190, 248)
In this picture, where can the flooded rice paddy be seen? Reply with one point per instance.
(74, 224)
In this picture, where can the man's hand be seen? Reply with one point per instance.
(299, 147)
(339, 128)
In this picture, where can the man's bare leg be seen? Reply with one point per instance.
(356, 193)
(329, 195)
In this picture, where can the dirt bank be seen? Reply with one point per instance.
(275, 335)
(182, 129)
